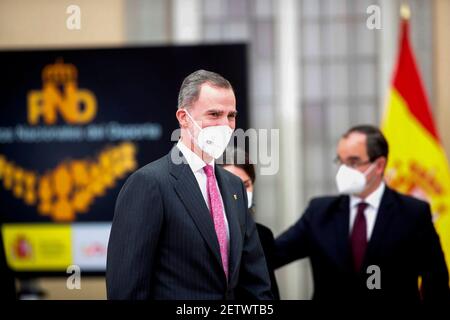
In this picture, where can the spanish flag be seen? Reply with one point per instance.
(417, 163)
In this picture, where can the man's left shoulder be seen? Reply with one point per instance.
(230, 178)
(409, 204)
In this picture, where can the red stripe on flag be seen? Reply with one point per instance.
(409, 84)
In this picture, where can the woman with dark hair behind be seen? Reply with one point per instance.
(237, 162)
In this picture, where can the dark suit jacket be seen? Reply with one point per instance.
(268, 245)
(163, 243)
(404, 245)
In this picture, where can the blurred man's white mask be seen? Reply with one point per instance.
(351, 181)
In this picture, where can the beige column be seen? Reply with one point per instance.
(41, 24)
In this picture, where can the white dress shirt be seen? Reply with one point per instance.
(371, 212)
(196, 164)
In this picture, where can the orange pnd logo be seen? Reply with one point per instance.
(60, 95)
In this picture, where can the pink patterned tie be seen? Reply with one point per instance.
(217, 212)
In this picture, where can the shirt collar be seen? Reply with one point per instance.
(195, 162)
(373, 200)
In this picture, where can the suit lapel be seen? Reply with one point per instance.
(187, 188)
(229, 201)
(342, 222)
(385, 213)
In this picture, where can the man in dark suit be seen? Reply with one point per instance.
(370, 243)
(181, 228)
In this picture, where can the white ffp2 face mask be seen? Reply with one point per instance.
(213, 139)
(351, 181)
(250, 199)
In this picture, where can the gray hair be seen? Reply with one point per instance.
(190, 88)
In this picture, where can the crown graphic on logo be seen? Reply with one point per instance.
(60, 95)
(59, 72)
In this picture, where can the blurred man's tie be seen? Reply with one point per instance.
(359, 237)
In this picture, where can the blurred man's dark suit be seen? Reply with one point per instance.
(163, 243)
(268, 245)
(404, 244)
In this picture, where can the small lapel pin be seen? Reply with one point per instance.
(235, 197)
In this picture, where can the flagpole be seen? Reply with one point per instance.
(405, 11)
